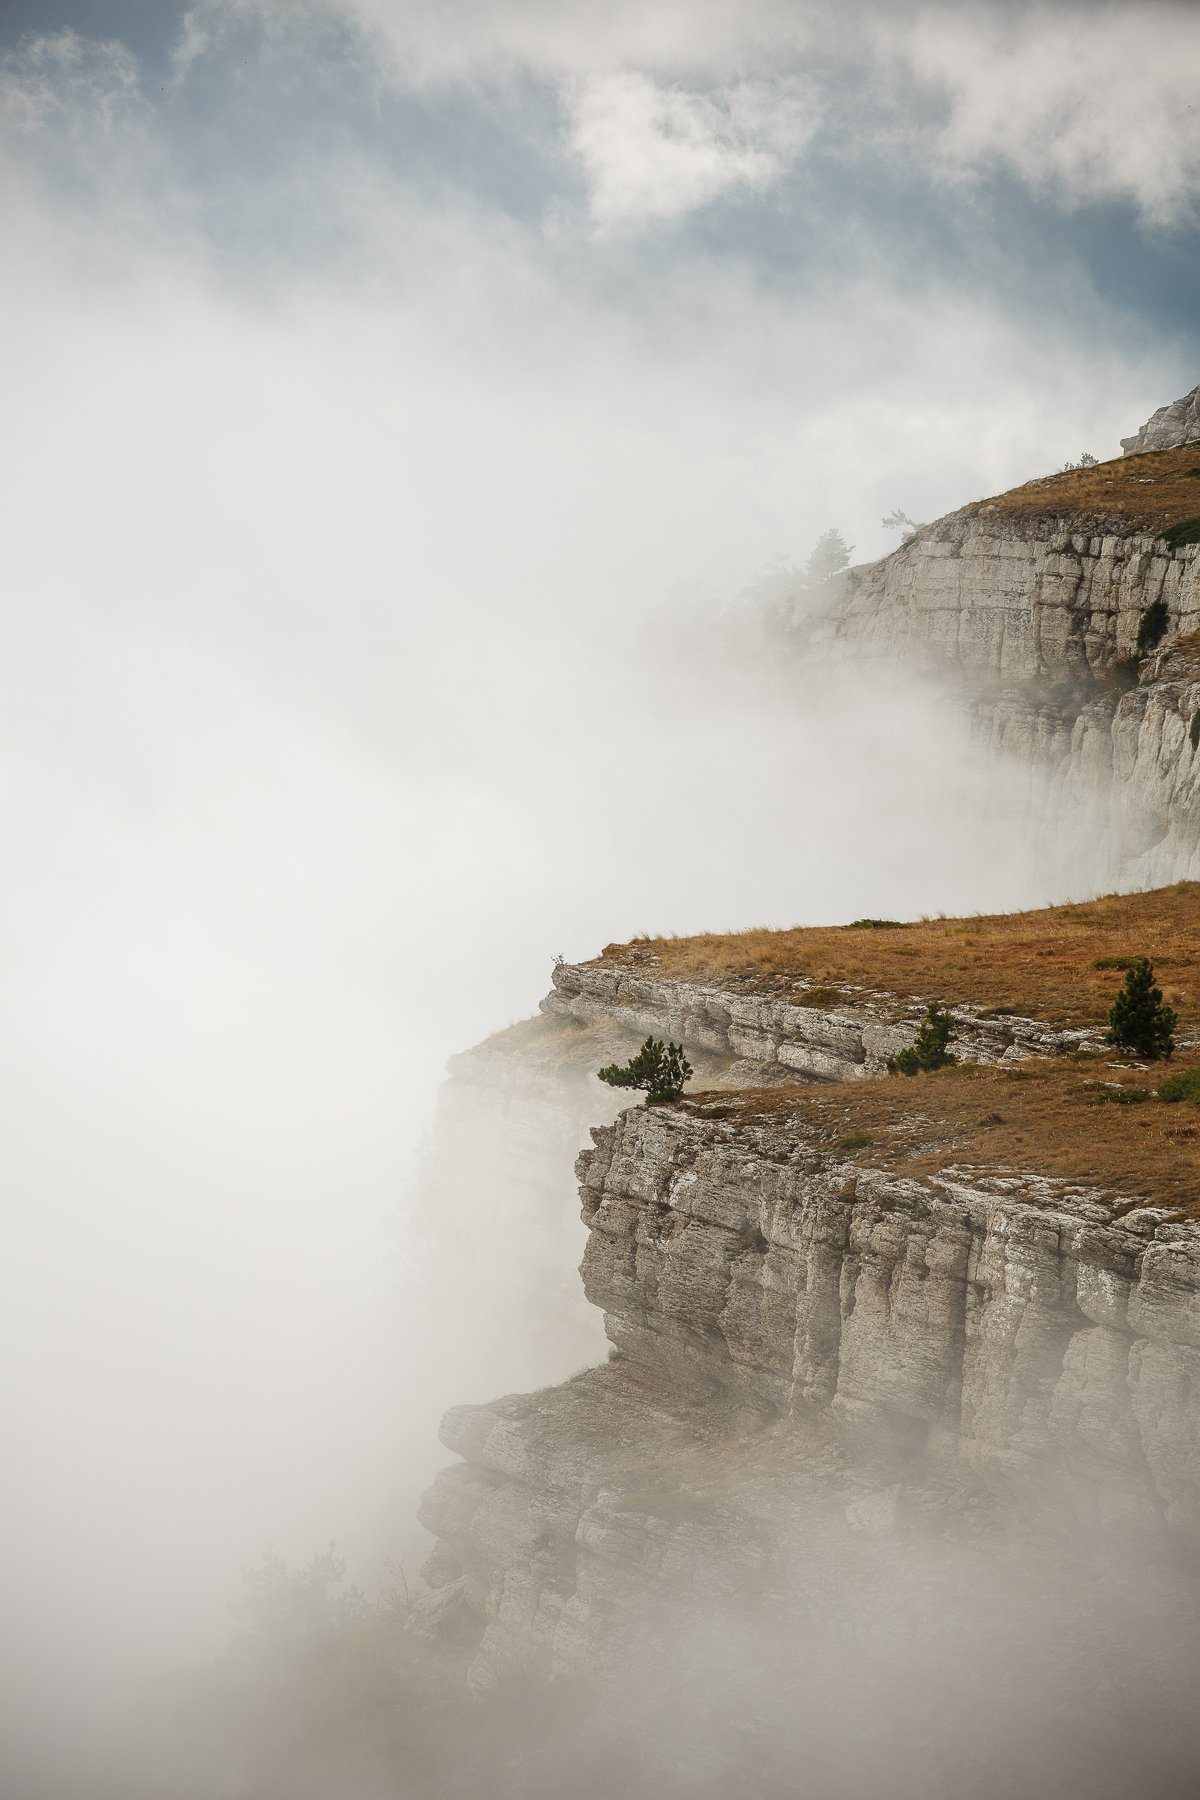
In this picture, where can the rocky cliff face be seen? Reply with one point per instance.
(1178, 423)
(779, 1320)
(1127, 760)
(995, 598)
(494, 1235)
(807, 1352)
(1034, 623)
(767, 1038)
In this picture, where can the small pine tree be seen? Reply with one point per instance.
(928, 1049)
(660, 1068)
(1139, 1021)
(830, 555)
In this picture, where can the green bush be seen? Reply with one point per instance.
(928, 1049)
(1184, 1085)
(661, 1069)
(1127, 962)
(1186, 532)
(875, 925)
(858, 1140)
(1138, 1019)
(1152, 628)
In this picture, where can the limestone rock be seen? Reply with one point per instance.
(771, 1039)
(776, 1315)
(1032, 625)
(994, 597)
(1178, 423)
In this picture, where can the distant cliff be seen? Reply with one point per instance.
(1178, 423)
(1030, 607)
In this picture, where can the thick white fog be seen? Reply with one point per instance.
(340, 581)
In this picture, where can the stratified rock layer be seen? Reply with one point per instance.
(773, 1039)
(1014, 598)
(775, 1313)
(1034, 622)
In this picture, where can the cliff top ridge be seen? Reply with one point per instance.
(1042, 964)
(1149, 492)
(1071, 1111)
(1081, 1122)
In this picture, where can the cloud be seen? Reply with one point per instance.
(655, 152)
(75, 123)
(70, 87)
(446, 41)
(671, 104)
(1083, 104)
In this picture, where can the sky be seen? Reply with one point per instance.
(397, 399)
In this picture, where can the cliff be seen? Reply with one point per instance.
(493, 1237)
(754, 1288)
(1029, 608)
(833, 1038)
(780, 1317)
(859, 1325)
(842, 1298)
(1178, 423)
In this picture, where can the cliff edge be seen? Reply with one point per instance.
(833, 1294)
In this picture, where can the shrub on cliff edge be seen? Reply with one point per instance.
(928, 1049)
(1139, 1020)
(661, 1069)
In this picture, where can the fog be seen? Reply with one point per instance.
(371, 635)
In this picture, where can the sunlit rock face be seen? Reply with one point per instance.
(797, 1338)
(1178, 423)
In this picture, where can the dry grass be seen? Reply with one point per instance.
(1137, 493)
(1037, 964)
(1042, 1117)
(1181, 654)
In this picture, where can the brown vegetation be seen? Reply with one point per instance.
(1036, 964)
(1081, 1120)
(1181, 654)
(1135, 493)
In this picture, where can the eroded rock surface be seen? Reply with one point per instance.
(779, 1319)
(1178, 423)
(995, 596)
(774, 1039)
(1033, 622)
